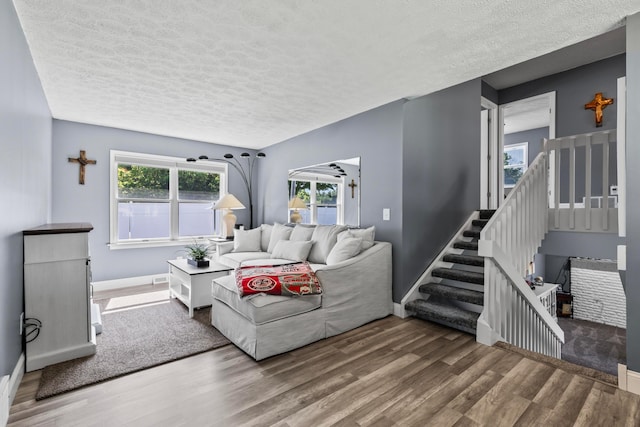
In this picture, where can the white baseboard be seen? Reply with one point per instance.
(127, 282)
(4, 400)
(8, 389)
(628, 380)
(16, 378)
(398, 310)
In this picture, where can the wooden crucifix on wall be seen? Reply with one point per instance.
(597, 104)
(83, 161)
(353, 186)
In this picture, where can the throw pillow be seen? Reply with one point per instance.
(345, 249)
(247, 240)
(367, 234)
(324, 239)
(302, 232)
(266, 236)
(295, 251)
(279, 232)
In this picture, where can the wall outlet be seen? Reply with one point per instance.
(21, 323)
(386, 214)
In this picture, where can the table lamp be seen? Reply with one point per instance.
(228, 202)
(296, 203)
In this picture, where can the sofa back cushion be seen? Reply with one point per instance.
(345, 249)
(289, 249)
(368, 235)
(266, 236)
(324, 239)
(302, 232)
(247, 240)
(279, 232)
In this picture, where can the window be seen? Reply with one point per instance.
(323, 195)
(157, 200)
(515, 163)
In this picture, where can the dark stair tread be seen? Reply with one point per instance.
(477, 261)
(452, 292)
(461, 244)
(479, 222)
(486, 213)
(459, 275)
(471, 233)
(444, 314)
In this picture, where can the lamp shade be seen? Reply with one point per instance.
(297, 203)
(229, 201)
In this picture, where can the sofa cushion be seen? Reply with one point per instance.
(234, 259)
(324, 239)
(266, 236)
(247, 240)
(295, 251)
(279, 232)
(262, 308)
(368, 235)
(345, 249)
(302, 232)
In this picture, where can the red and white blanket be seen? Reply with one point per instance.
(287, 279)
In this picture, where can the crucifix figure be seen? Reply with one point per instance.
(597, 104)
(83, 162)
(353, 186)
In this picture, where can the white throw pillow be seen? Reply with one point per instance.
(295, 251)
(247, 240)
(345, 249)
(368, 235)
(266, 236)
(302, 232)
(324, 239)
(279, 232)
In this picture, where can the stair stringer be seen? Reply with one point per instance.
(414, 292)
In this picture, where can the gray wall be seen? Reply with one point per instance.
(420, 158)
(441, 174)
(90, 202)
(25, 172)
(574, 88)
(376, 137)
(533, 137)
(633, 192)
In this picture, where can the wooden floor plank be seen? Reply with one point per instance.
(393, 372)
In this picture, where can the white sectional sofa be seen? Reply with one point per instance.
(353, 269)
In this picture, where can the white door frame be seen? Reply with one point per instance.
(497, 164)
(621, 153)
(488, 151)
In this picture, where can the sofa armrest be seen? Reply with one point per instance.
(357, 290)
(224, 248)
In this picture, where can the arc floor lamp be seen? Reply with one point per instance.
(245, 174)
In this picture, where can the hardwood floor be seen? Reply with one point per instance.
(402, 372)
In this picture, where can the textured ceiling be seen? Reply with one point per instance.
(252, 73)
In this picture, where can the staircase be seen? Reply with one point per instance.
(453, 293)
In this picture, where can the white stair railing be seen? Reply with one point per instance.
(512, 312)
(582, 216)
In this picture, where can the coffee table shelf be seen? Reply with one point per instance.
(192, 285)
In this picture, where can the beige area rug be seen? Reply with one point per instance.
(138, 332)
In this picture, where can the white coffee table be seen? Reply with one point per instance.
(192, 285)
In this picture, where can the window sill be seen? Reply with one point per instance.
(154, 244)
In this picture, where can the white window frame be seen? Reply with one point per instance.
(524, 146)
(313, 203)
(174, 164)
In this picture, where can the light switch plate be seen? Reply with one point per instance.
(386, 214)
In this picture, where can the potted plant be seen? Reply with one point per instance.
(197, 254)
